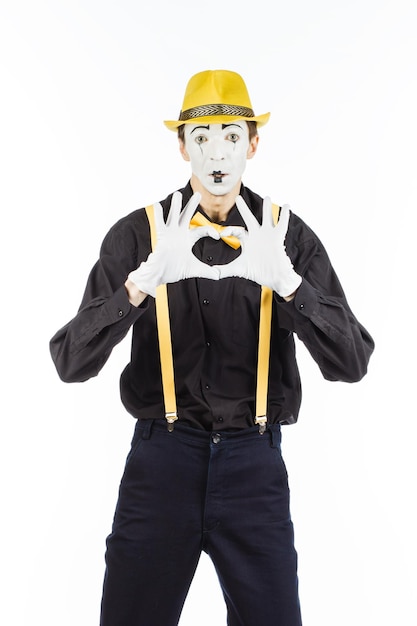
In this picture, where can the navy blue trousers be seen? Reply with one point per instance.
(188, 491)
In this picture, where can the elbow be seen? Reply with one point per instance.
(348, 370)
(360, 366)
(70, 370)
(359, 371)
(69, 374)
(356, 376)
(344, 375)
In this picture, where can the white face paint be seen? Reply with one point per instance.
(218, 154)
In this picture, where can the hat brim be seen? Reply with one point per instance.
(217, 119)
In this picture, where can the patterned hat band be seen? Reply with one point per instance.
(215, 109)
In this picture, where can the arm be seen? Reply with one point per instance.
(319, 313)
(116, 292)
(291, 260)
(81, 348)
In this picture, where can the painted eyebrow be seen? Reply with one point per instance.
(197, 127)
(208, 127)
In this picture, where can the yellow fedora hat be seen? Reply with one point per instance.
(216, 97)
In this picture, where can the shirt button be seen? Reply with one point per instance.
(209, 258)
(207, 386)
(205, 301)
(301, 306)
(216, 438)
(120, 313)
(219, 419)
(208, 344)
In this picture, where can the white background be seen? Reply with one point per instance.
(85, 86)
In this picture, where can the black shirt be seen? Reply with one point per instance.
(214, 327)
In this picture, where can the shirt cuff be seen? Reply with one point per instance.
(118, 308)
(304, 304)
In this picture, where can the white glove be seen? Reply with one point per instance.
(173, 260)
(263, 258)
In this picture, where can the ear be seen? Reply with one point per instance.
(253, 146)
(183, 151)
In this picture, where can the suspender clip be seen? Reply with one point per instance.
(171, 418)
(261, 421)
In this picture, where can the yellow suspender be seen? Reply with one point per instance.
(164, 336)
(165, 343)
(264, 347)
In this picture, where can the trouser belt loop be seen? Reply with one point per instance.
(147, 428)
(275, 437)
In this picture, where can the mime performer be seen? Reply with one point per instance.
(215, 281)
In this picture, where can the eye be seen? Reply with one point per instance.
(200, 139)
(233, 137)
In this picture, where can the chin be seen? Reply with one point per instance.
(218, 189)
(218, 192)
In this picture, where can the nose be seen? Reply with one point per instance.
(217, 149)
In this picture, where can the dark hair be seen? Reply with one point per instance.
(252, 126)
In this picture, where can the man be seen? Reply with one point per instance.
(208, 473)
